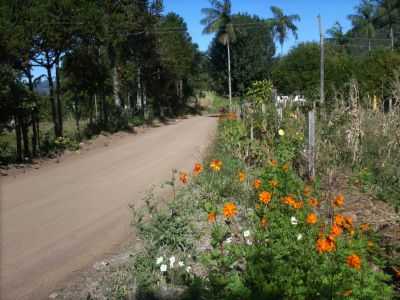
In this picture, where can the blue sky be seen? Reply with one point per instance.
(330, 10)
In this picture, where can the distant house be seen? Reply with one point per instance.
(285, 100)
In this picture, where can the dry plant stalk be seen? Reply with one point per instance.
(354, 133)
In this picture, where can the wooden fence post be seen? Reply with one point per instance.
(311, 144)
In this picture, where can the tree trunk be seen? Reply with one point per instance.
(58, 98)
(117, 99)
(229, 73)
(54, 113)
(18, 138)
(34, 116)
(392, 37)
(139, 92)
(25, 136)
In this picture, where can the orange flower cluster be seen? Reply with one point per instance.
(231, 116)
(354, 261)
(230, 210)
(242, 176)
(289, 200)
(216, 165)
(312, 218)
(265, 197)
(335, 231)
(273, 183)
(184, 177)
(313, 202)
(212, 217)
(257, 184)
(344, 222)
(197, 169)
(364, 227)
(325, 245)
(339, 200)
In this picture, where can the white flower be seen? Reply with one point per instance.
(181, 263)
(299, 237)
(294, 221)
(248, 242)
(172, 261)
(188, 269)
(159, 260)
(163, 268)
(228, 240)
(281, 132)
(246, 233)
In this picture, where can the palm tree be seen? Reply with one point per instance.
(282, 24)
(387, 15)
(337, 33)
(364, 19)
(218, 19)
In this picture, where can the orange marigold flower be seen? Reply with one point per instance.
(340, 220)
(307, 190)
(339, 200)
(312, 218)
(313, 202)
(285, 167)
(212, 216)
(242, 176)
(183, 177)
(364, 227)
(325, 245)
(336, 231)
(273, 162)
(298, 204)
(230, 210)
(216, 165)
(198, 168)
(265, 197)
(257, 184)
(289, 200)
(263, 222)
(354, 261)
(273, 183)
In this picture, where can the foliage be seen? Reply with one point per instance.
(252, 55)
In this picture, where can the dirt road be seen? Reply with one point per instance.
(62, 218)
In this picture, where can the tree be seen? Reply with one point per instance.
(254, 49)
(218, 20)
(337, 33)
(283, 24)
(388, 15)
(364, 20)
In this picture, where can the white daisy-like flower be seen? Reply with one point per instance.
(249, 242)
(163, 268)
(159, 260)
(172, 261)
(246, 233)
(299, 237)
(228, 240)
(188, 269)
(294, 221)
(281, 132)
(181, 263)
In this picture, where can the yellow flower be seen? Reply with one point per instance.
(281, 132)
(216, 165)
(230, 210)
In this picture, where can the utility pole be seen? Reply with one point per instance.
(321, 34)
(229, 73)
